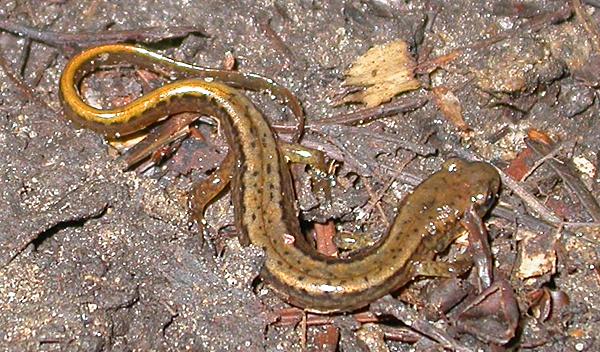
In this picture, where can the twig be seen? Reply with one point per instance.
(595, 3)
(275, 39)
(24, 57)
(370, 114)
(84, 39)
(375, 199)
(550, 155)
(529, 199)
(36, 77)
(534, 25)
(25, 91)
(581, 224)
(567, 173)
(539, 225)
(419, 149)
(407, 315)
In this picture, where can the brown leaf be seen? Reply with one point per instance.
(450, 107)
(493, 316)
(521, 165)
(539, 136)
(536, 256)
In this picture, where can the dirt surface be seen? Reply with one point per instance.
(95, 259)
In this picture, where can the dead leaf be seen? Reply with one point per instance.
(536, 256)
(450, 106)
(521, 165)
(539, 136)
(492, 316)
(385, 70)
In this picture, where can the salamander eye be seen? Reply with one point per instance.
(483, 202)
(486, 202)
(490, 200)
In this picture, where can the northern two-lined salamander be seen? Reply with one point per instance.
(261, 186)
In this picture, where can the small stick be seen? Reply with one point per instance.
(86, 39)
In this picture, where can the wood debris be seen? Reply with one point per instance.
(385, 71)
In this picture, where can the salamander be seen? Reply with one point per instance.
(262, 192)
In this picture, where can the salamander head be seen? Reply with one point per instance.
(480, 181)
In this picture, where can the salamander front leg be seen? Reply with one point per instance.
(208, 189)
(443, 269)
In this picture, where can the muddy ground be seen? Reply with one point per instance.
(95, 259)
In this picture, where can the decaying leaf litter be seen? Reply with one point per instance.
(97, 259)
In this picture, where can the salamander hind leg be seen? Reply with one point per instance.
(296, 153)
